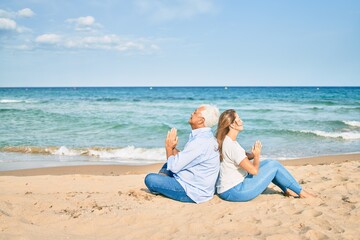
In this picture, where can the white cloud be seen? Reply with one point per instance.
(7, 19)
(162, 10)
(22, 29)
(6, 14)
(23, 47)
(7, 24)
(89, 39)
(154, 46)
(106, 42)
(87, 23)
(26, 12)
(130, 45)
(48, 39)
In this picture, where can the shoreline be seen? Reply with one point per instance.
(117, 170)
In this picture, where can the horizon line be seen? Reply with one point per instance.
(179, 86)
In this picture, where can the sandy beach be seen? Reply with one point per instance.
(112, 202)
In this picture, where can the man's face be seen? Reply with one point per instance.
(196, 118)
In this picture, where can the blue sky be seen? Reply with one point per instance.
(179, 43)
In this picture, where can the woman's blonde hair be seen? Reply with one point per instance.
(225, 120)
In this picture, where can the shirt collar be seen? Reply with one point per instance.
(198, 131)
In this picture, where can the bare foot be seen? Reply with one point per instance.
(290, 193)
(305, 194)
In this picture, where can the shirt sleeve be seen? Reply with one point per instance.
(191, 151)
(237, 153)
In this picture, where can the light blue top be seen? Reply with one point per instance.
(197, 167)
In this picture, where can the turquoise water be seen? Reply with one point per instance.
(71, 126)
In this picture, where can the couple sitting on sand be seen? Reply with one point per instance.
(193, 174)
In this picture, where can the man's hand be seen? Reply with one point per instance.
(171, 139)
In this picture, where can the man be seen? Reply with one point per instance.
(190, 175)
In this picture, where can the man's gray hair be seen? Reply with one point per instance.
(211, 114)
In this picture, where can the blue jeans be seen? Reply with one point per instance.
(166, 185)
(252, 186)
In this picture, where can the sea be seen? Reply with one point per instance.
(65, 126)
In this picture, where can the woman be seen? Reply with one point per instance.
(240, 179)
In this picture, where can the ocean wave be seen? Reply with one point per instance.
(342, 135)
(322, 102)
(315, 108)
(352, 123)
(29, 149)
(335, 123)
(15, 101)
(107, 99)
(263, 110)
(345, 109)
(119, 126)
(9, 110)
(36, 112)
(128, 153)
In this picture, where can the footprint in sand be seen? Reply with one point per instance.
(344, 179)
(310, 213)
(298, 212)
(325, 178)
(347, 199)
(139, 195)
(271, 223)
(302, 181)
(3, 213)
(313, 234)
(7, 204)
(70, 194)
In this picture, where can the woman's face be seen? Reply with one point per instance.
(238, 123)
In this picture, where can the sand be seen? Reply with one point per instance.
(112, 202)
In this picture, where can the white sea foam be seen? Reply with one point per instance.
(130, 153)
(15, 101)
(352, 123)
(66, 152)
(343, 135)
(10, 101)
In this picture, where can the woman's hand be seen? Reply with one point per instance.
(252, 167)
(171, 139)
(256, 149)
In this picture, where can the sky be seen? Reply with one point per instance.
(179, 43)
